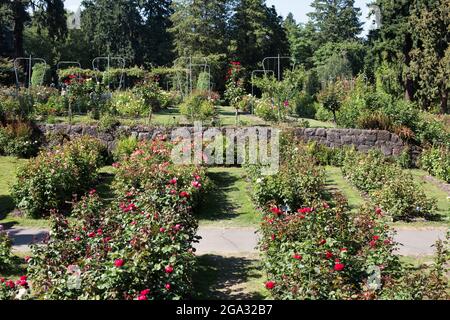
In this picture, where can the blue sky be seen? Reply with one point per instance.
(298, 7)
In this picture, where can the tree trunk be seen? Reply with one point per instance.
(409, 83)
(444, 102)
(19, 19)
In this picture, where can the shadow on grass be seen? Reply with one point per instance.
(226, 278)
(104, 186)
(217, 206)
(17, 268)
(6, 206)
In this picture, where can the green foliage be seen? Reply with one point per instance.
(265, 109)
(332, 97)
(126, 103)
(125, 147)
(297, 183)
(404, 199)
(203, 82)
(5, 251)
(140, 247)
(40, 74)
(392, 189)
(436, 161)
(198, 106)
(53, 178)
(17, 139)
(234, 91)
(336, 21)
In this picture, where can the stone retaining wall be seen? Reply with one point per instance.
(363, 140)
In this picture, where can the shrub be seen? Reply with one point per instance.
(130, 250)
(403, 199)
(149, 167)
(52, 178)
(298, 181)
(323, 252)
(388, 185)
(265, 109)
(5, 250)
(198, 107)
(125, 147)
(367, 172)
(138, 247)
(16, 139)
(126, 103)
(305, 106)
(436, 161)
(40, 75)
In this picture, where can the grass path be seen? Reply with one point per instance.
(229, 204)
(228, 209)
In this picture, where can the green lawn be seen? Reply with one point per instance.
(229, 203)
(337, 182)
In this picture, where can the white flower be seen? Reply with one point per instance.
(22, 293)
(259, 181)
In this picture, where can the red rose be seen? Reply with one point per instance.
(145, 292)
(162, 230)
(270, 285)
(184, 194)
(169, 269)
(277, 211)
(376, 238)
(329, 255)
(323, 242)
(142, 298)
(378, 211)
(168, 286)
(119, 263)
(339, 266)
(297, 257)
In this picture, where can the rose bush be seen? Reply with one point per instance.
(139, 247)
(53, 177)
(390, 187)
(5, 250)
(150, 166)
(298, 181)
(436, 161)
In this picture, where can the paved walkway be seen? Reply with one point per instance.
(244, 240)
(22, 238)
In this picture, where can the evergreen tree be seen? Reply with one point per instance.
(336, 20)
(430, 56)
(48, 14)
(393, 42)
(301, 41)
(257, 32)
(199, 27)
